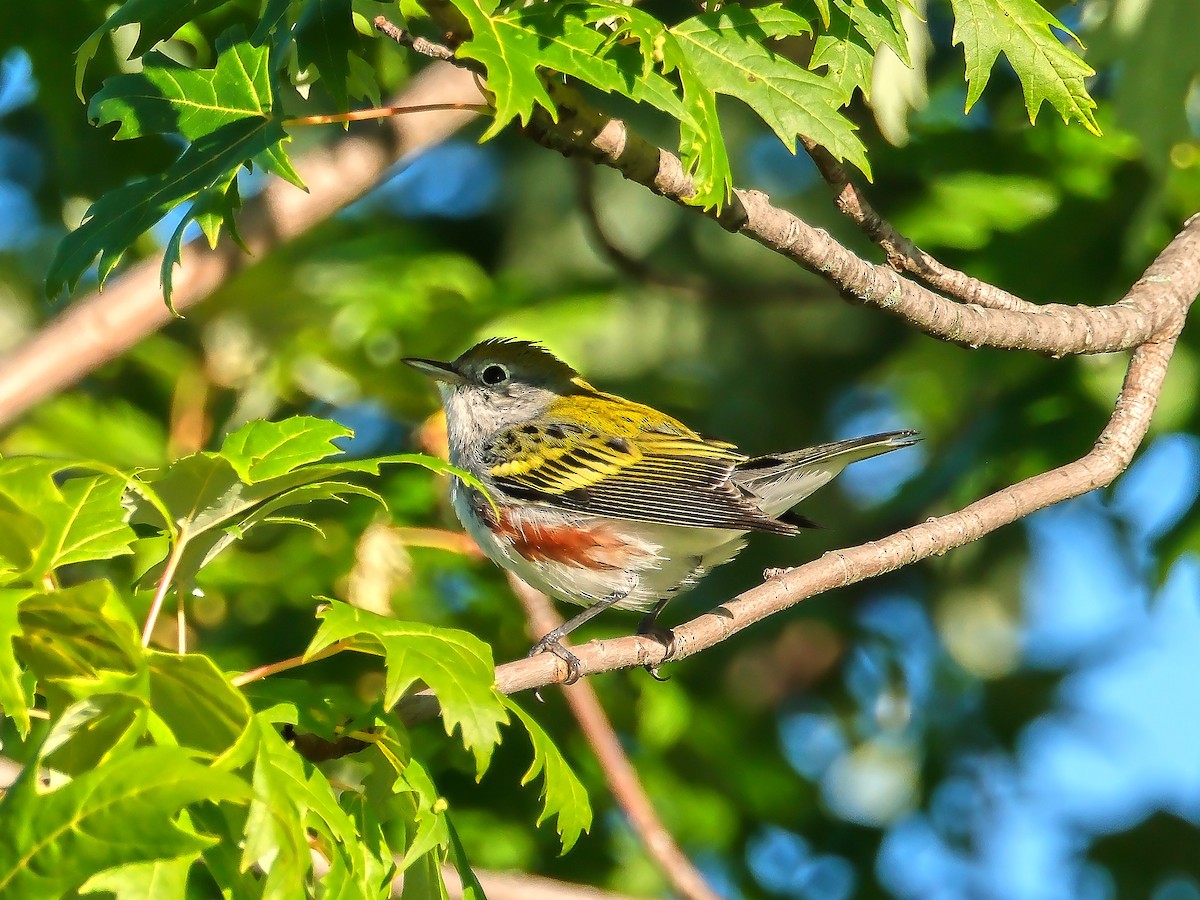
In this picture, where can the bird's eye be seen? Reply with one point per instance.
(494, 374)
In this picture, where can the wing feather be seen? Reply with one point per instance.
(625, 461)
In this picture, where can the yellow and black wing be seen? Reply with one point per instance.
(622, 460)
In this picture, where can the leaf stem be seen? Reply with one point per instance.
(383, 112)
(292, 662)
(181, 620)
(160, 593)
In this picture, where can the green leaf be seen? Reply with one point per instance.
(456, 666)
(197, 701)
(158, 21)
(12, 693)
(108, 720)
(726, 51)
(81, 520)
(162, 879)
(1048, 70)
(77, 632)
(21, 534)
(518, 44)
(325, 39)
(166, 97)
(262, 450)
(471, 888)
(212, 499)
(119, 813)
(120, 217)
(290, 797)
(563, 795)
(851, 39)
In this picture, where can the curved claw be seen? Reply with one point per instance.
(664, 636)
(551, 644)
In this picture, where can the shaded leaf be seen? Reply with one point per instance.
(325, 39)
(157, 20)
(121, 812)
(161, 879)
(120, 217)
(197, 701)
(77, 632)
(12, 692)
(456, 666)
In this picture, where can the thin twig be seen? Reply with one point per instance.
(181, 621)
(164, 585)
(902, 253)
(618, 771)
(283, 665)
(385, 112)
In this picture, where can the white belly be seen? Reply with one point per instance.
(645, 563)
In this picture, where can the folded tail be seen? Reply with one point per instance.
(782, 480)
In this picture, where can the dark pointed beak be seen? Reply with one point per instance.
(438, 371)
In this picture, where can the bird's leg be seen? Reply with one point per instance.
(550, 640)
(665, 636)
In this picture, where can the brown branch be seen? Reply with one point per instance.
(618, 771)
(100, 327)
(903, 254)
(520, 886)
(1056, 329)
(1176, 273)
(580, 130)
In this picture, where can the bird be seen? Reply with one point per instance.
(603, 502)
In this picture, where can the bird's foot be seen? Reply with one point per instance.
(664, 636)
(768, 574)
(550, 643)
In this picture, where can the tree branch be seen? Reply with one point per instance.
(618, 771)
(902, 254)
(1112, 453)
(1057, 329)
(100, 327)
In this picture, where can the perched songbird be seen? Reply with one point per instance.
(600, 501)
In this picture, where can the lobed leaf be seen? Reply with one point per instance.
(726, 50)
(115, 221)
(1047, 68)
(166, 97)
(44, 525)
(456, 666)
(262, 450)
(563, 795)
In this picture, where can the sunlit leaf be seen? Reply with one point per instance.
(166, 97)
(456, 666)
(1048, 69)
(563, 795)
